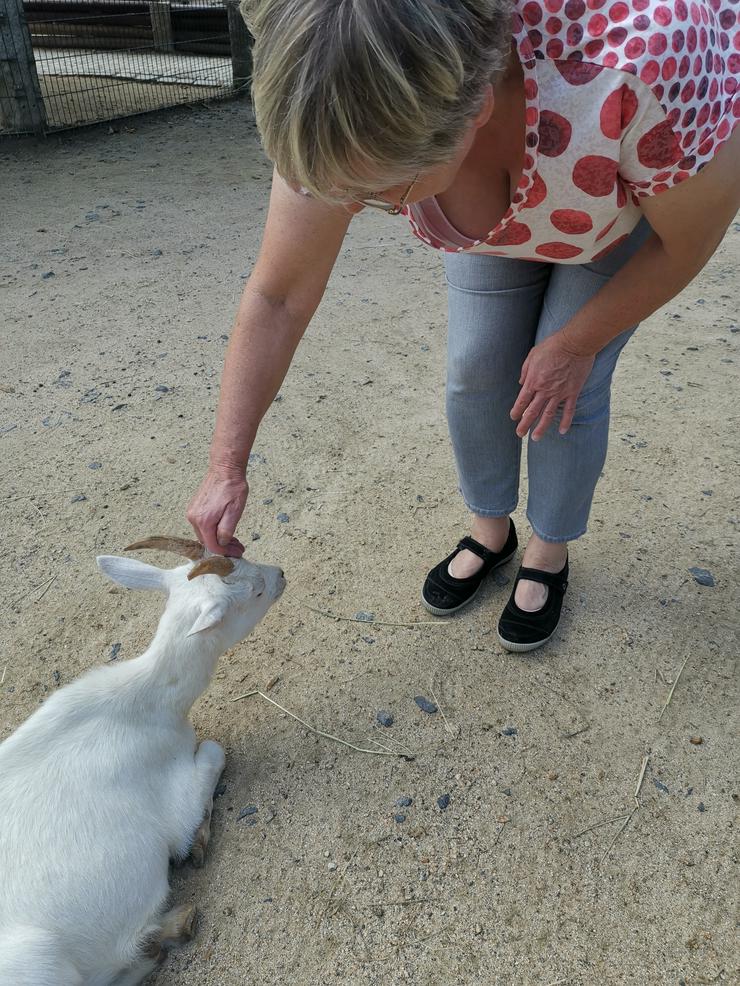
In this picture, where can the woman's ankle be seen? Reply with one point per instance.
(491, 532)
(550, 556)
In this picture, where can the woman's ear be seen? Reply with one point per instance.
(486, 110)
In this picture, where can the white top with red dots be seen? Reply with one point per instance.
(623, 100)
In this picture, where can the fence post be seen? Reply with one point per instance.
(160, 16)
(241, 46)
(21, 102)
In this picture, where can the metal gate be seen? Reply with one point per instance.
(67, 63)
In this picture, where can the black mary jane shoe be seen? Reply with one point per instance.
(520, 631)
(444, 594)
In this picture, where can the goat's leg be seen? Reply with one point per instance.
(178, 925)
(209, 764)
(175, 927)
(138, 972)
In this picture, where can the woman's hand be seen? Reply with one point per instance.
(551, 376)
(216, 508)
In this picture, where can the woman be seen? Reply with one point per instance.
(576, 162)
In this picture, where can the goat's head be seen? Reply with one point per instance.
(228, 596)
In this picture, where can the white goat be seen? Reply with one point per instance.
(103, 785)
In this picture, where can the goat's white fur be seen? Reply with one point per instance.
(103, 785)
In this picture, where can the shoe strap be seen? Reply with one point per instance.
(556, 580)
(477, 548)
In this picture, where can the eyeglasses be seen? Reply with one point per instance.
(387, 207)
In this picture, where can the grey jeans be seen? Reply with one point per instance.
(498, 309)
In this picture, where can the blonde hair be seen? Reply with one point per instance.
(350, 92)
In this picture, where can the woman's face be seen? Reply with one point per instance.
(438, 179)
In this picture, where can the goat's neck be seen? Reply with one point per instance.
(176, 669)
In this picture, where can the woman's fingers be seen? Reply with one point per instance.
(530, 415)
(522, 403)
(215, 511)
(546, 418)
(226, 527)
(568, 411)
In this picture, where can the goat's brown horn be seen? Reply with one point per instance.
(214, 565)
(180, 546)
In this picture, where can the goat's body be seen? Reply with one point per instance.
(103, 785)
(99, 820)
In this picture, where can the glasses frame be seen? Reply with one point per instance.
(388, 207)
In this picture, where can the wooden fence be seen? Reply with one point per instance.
(142, 31)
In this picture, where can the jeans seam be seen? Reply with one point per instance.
(554, 540)
(484, 512)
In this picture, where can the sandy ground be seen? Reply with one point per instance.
(123, 257)
(71, 100)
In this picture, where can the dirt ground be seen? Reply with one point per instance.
(71, 100)
(123, 256)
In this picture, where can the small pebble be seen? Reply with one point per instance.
(506, 791)
(701, 807)
(553, 775)
(161, 389)
(696, 740)
(331, 866)
(365, 617)
(114, 651)
(56, 675)
(443, 801)
(155, 253)
(509, 731)
(702, 576)
(425, 705)
(384, 718)
(283, 518)
(80, 498)
(400, 818)
(47, 275)
(246, 812)
(256, 535)
(95, 465)
(660, 786)
(404, 802)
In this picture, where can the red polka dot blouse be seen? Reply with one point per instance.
(623, 99)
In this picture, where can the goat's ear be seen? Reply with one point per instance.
(210, 616)
(132, 573)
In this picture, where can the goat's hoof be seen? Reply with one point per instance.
(178, 925)
(200, 841)
(198, 856)
(188, 923)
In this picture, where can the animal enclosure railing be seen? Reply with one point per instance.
(65, 63)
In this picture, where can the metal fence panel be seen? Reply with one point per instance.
(66, 63)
